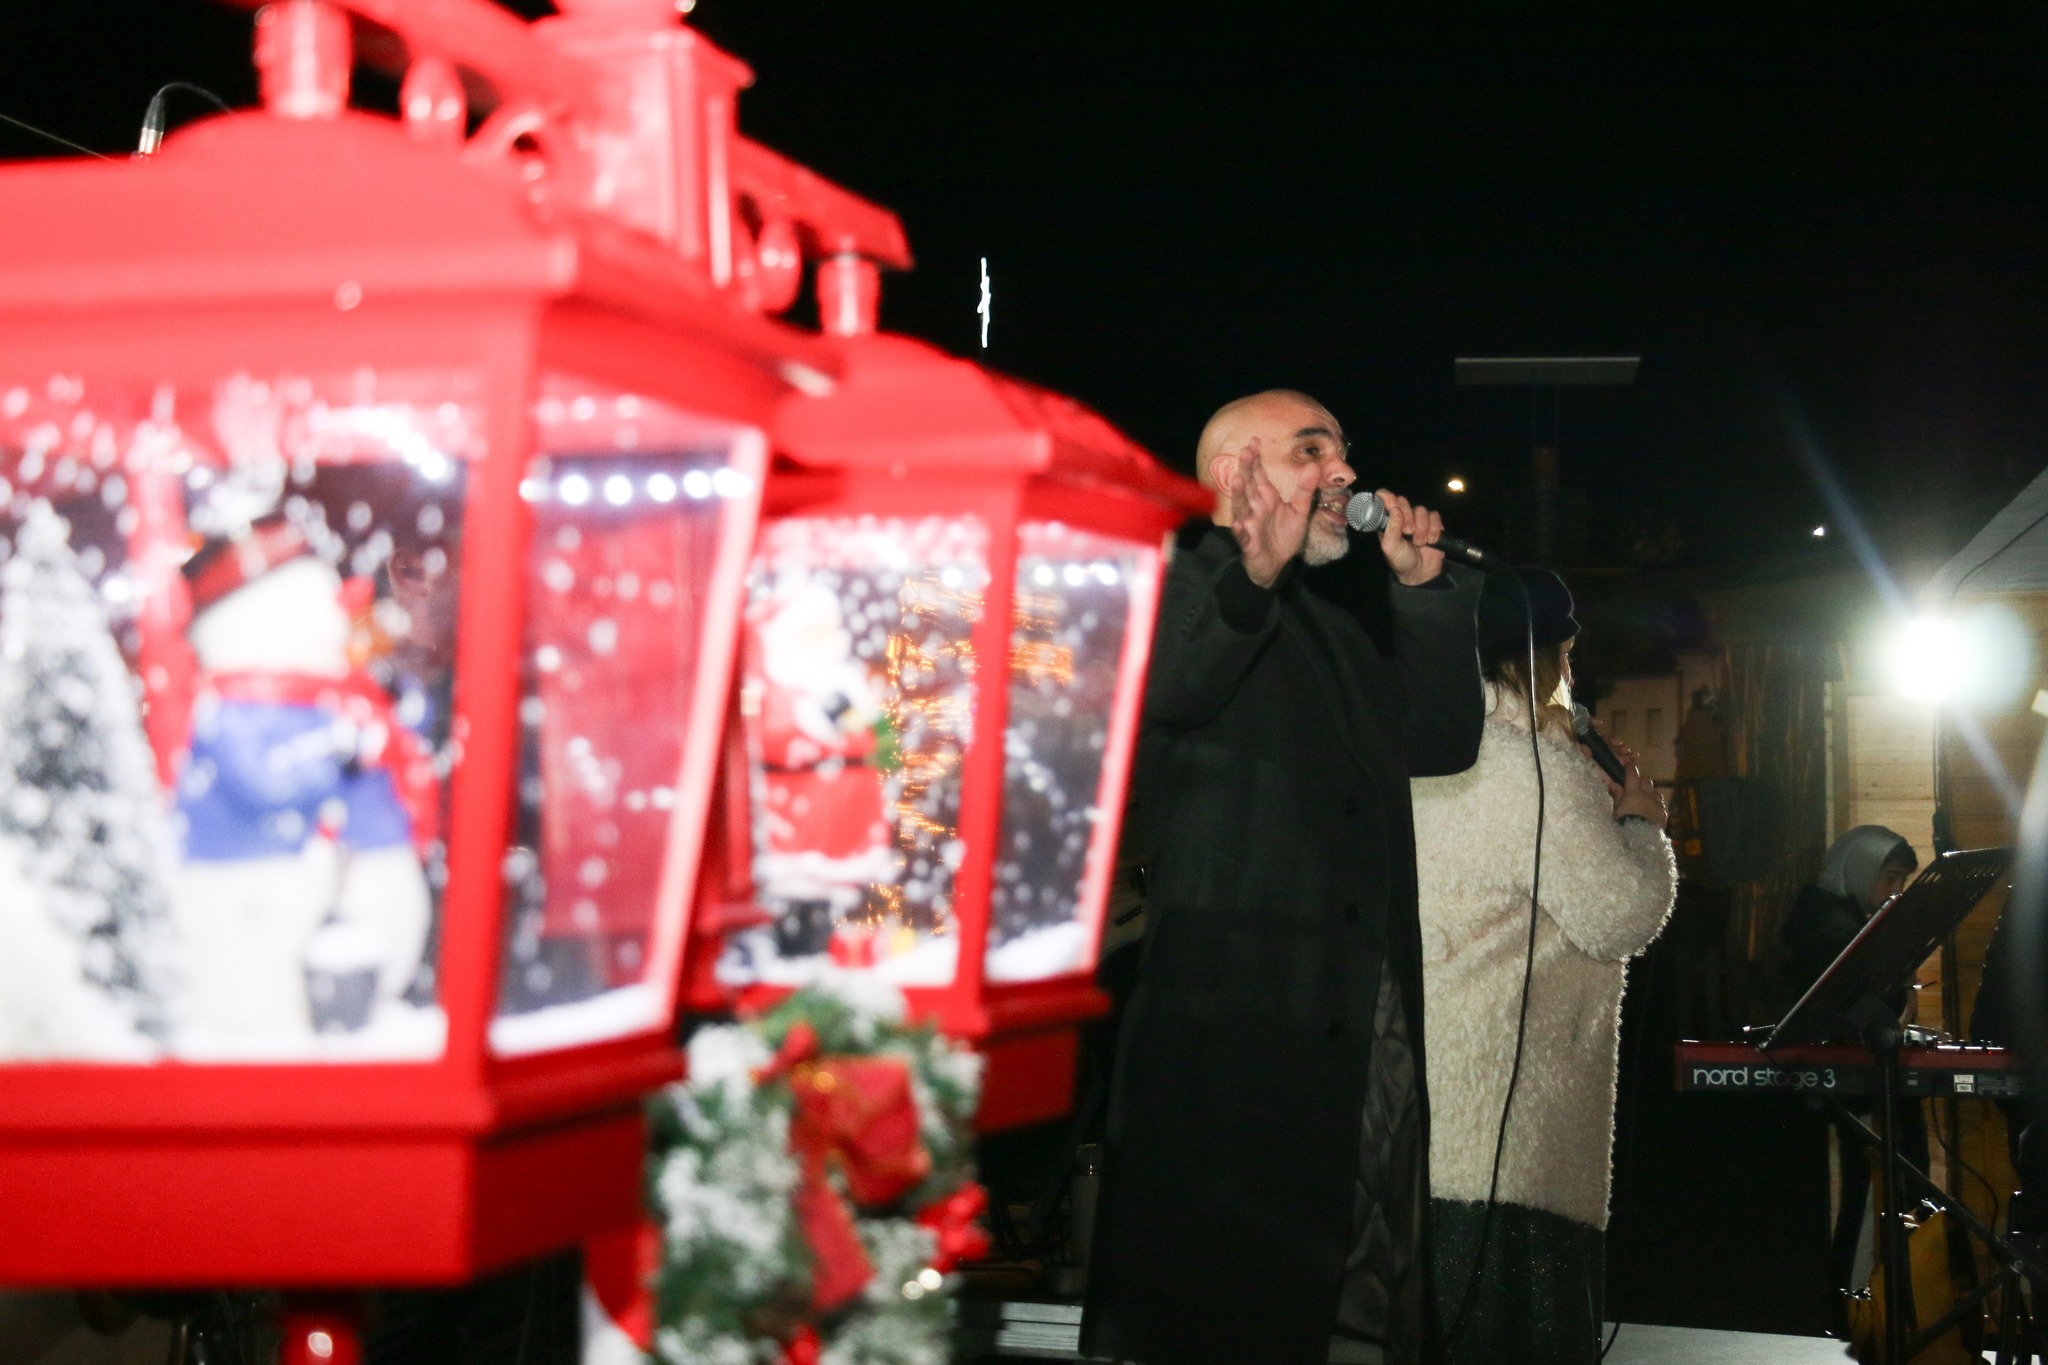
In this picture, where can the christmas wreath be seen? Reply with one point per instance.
(813, 1187)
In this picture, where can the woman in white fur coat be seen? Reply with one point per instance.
(1606, 887)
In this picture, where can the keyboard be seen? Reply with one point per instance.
(1846, 1069)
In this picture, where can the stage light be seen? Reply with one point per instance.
(1820, 533)
(1456, 485)
(1926, 659)
(1981, 658)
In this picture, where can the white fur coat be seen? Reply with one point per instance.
(1606, 890)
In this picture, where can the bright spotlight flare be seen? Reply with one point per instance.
(1980, 659)
(1927, 659)
(1368, 516)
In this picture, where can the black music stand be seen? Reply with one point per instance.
(1850, 995)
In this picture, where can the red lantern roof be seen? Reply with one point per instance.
(903, 403)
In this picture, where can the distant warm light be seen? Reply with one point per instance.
(1456, 485)
(1820, 532)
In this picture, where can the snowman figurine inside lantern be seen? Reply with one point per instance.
(282, 903)
(307, 804)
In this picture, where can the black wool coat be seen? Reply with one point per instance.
(1280, 730)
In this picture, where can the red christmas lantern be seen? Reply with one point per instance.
(378, 506)
(948, 615)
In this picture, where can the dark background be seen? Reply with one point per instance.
(1823, 218)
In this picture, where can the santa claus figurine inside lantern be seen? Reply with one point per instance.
(857, 702)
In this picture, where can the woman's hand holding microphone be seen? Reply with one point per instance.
(1638, 796)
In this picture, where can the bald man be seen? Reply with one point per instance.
(1265, 1179)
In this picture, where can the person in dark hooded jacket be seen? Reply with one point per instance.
(1265, 1180)
(1862, 871)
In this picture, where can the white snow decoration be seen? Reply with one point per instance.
(726, 1057)
(872, 998)
(396, 1032)
(932, 962)
(613, 1014)
(342, 948)
(695, 1344)
(899, 1250)
(1039, 953)
(740, 1199)
(48, 1010)
(78, 790)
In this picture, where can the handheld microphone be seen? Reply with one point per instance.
(1368, 515)
(1582, 728)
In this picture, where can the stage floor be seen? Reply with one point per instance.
(1640, 1344)
(1645, 1345)
(1015, 1330)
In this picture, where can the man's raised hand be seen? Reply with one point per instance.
(1270, 528)
(1409, 539)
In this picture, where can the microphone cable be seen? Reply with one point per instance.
(1634, 1065)
(153, 116)
(46, 134)
(1507, 1105)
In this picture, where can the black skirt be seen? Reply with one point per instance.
(1537, 1298)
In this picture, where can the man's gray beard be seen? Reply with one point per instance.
(1326, 544)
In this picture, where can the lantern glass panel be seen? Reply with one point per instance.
(857, 699)
(1069, 627)
(631, 499)
(224, 771)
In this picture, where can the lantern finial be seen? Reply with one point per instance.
(849, 294)
(303, 55)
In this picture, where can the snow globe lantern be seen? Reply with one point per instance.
(375, 507)
(947, 620)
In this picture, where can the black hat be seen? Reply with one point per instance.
(226, 563)
(1505, 624)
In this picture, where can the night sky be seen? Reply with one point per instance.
(1828, 225)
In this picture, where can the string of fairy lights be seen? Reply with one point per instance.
(922, 707)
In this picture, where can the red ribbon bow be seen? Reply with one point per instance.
(956, 1221)
(804, 1348)
(859, 1114)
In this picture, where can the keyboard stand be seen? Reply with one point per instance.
(1899, 1178)
(1851, 994)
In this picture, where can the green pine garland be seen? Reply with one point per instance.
(735, 1278)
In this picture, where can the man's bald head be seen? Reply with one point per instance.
(1300, 449)
(1272, 414)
